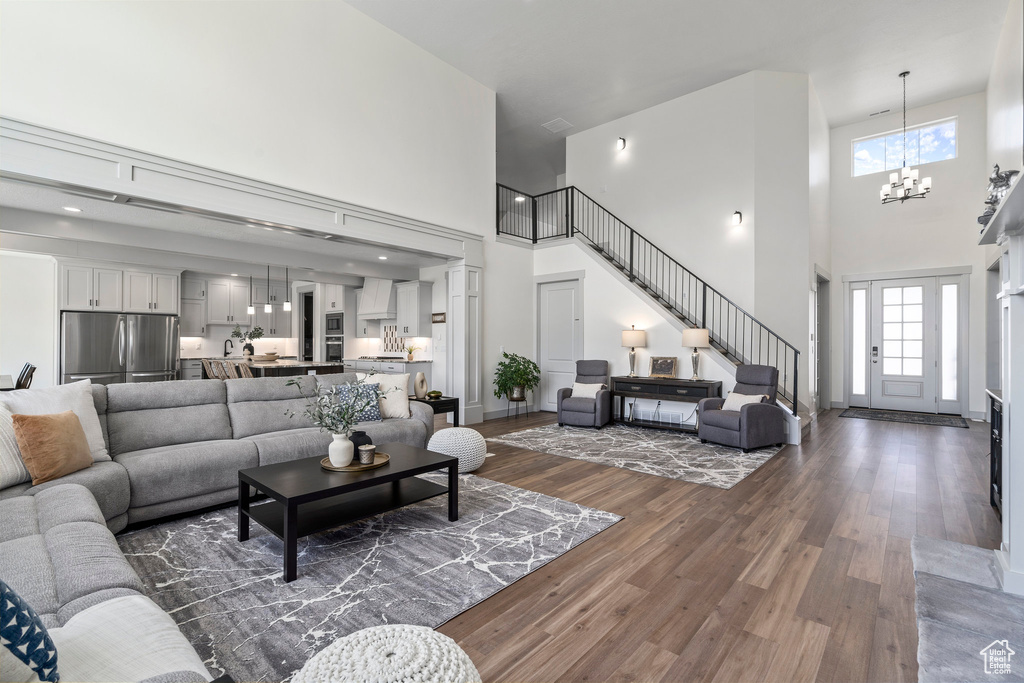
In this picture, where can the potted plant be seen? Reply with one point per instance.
(325, 409)
(410, 349)
(247, 337)
(514, 376)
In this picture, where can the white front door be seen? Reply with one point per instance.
(903, 345)
(560, 313)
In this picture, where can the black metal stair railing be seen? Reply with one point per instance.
(570, 212)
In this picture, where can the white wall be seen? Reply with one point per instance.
(439, 331)
(819, 181)
(1005, 94)
(939, 231)
(310, 95)
(28, 316)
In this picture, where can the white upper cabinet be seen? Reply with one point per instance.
(277, 323)
(226, 302)
(377, 301)
(333, 297)
(193, 318)
(193, 288)
(85, 287)
(413, 308)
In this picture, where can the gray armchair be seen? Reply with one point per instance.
(586, 412)
(755, 424)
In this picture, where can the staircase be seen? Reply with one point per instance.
(570, 213)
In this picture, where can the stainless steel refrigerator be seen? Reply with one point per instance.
(109, 348)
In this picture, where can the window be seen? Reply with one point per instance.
(903, 331)
(935, 141)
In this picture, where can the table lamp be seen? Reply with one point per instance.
(633, 338)
(697, 338)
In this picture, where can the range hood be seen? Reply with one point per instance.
(376, 300)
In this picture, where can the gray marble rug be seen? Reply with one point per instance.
(408, 566)
(674, 455)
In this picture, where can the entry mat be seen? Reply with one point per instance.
(909, 418)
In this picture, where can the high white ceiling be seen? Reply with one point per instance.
(592, 61)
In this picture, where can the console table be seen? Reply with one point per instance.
(661, 389)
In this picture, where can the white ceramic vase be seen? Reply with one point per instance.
(341, 450)
(420, 385)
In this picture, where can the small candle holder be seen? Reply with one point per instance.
(366, 454)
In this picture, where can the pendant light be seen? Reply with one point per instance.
(267, 308)
(904, 185)
(287, 306)
(251, 310)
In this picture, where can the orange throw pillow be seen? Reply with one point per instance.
(51, 445)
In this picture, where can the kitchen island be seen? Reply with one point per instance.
(285, 367)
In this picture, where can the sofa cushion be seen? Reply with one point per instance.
(154, 414)
(336, 378)
(107, 481)
(576, 404)
(409, 431)
(86, 559)
(290, 444)
(76, 396)
(25, 566)
(260, 406)
(158, 475)
(726, 419)
(24, 635)
(52, 446)
(99, 401)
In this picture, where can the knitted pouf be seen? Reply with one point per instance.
(460, 442)
(389, 654)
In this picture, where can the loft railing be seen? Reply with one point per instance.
(570, 212)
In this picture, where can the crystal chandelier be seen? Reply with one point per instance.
(904, 184)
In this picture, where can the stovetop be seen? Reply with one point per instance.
(383, 358)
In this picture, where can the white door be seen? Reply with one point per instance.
(560, 312)
(239, 303)
(218, 298)
(193, 318)
(165, 293)
(903, 345)
(106, 289)
(138, 288)
(76, 288)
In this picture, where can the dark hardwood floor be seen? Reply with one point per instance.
(801, 572)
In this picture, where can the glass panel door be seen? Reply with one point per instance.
(903, 345)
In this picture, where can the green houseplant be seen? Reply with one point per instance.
(328, 411)
(514, 376)
(248, 337)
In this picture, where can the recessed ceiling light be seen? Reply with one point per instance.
(234, 274)
(270, 229)
(383, 258)
(72, 209)
(520, 198)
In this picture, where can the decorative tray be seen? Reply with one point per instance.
(265, 358)
(379, 460)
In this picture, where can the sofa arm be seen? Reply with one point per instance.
(603, 409)
(425, 414)
(563, 394)
(762, 424)
(710, 404)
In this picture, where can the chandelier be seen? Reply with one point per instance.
(904, 184)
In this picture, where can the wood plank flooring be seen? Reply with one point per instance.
(801, 572)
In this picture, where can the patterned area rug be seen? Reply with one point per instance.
(910, 418)
(674, 455)
(408, 566)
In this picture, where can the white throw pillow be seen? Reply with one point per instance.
(394, 395)
(12, 468)
(76, 397)
(736, 401)
(585, 390)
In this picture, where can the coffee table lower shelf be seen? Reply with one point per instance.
(329, 513)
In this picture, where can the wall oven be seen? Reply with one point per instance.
(335, 349)
(335, 326)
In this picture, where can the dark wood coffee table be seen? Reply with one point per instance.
(307, 499)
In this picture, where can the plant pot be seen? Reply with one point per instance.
(248, 349)
(410, 357)
(518, 394)
(360, 439)
(420, 385)
(341, 450)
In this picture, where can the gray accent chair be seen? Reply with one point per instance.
(586, 412)
(756, 424)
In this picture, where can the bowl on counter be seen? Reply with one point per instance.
(264, 357)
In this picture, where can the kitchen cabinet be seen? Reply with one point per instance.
(84, 288)
(277, 323)
(365, 329)
(192, 288)
(146, 292)
(378, 300)
(226, 302)
(333, 297)
(191, 368)
(193, 318)
(413, 308)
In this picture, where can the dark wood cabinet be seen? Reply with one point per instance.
(661, 389)
(995, 451)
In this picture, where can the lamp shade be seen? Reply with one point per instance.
(633, 338)
(696, 337)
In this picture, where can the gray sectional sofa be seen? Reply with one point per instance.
(178, 446)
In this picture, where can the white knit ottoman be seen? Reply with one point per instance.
(389, 654)
(460, 442)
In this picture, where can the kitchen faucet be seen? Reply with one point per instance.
(227, 351)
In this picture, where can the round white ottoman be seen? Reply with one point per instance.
(460, 442)
(389, 654)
